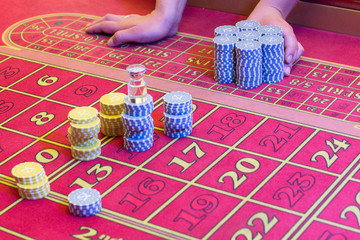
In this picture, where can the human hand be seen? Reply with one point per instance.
(293, 49)
(133, 28)
(160, 23)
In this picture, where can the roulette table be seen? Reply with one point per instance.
(277, 162)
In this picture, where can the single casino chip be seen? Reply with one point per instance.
(84, 202)
(81, 115)
(28, 173)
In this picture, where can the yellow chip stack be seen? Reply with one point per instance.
(83, 133)
(111, 109)
(31, 180)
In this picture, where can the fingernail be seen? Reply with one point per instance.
(287, 71)
(289, 58)
(110, 42)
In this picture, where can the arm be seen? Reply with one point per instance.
(160, 23)
(274, 12)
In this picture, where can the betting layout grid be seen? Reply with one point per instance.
(236, 168)
(315, 87)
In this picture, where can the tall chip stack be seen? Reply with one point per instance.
(138, 106)
(31, 180)
(248, 64)
(272, 58)
(224, 67)
(178, 116)
(253, 63)
(111, 110)
(83, 133)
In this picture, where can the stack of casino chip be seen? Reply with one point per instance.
(138, 124)
(83, 133)
(248, 64)
(272, 58)
(252, 63)
(84, 202)
(31, 180)
(224, 67)
(178, 116)
(111, 109)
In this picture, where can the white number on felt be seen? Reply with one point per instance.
(255, 165)
(326, 156)
(353, 209)
(267, 224)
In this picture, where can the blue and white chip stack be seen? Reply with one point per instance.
(272, 58)
(248, 64)
(138, 124)
(84, 202)
(178, 117)
(258, 55)
(224, 67)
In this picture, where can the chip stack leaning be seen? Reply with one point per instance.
(138, 106)
(83, 133)
(111, 109)
(84, 202)
(31, 180)
(178, 116)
